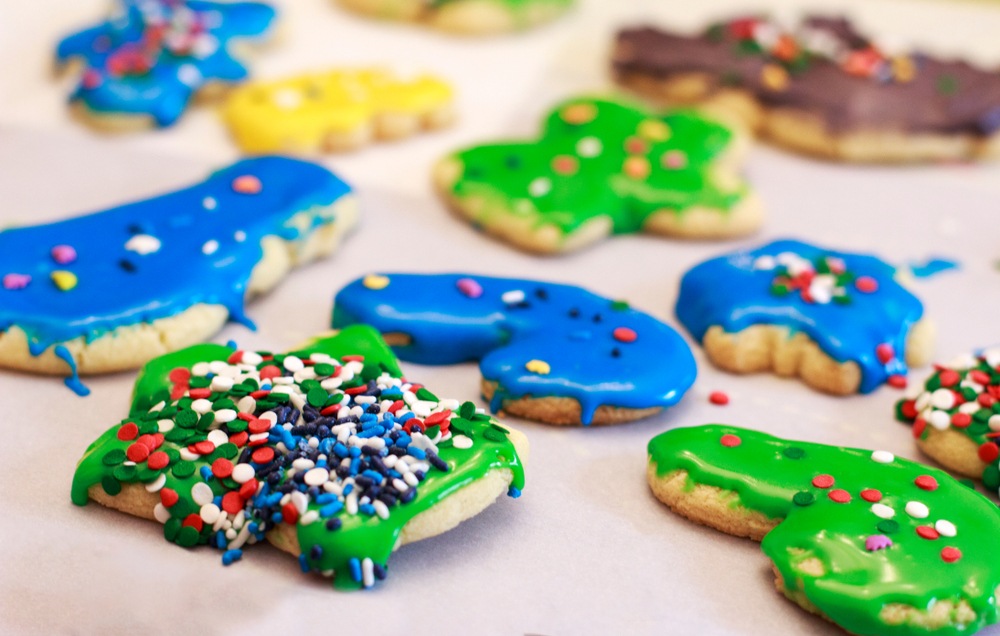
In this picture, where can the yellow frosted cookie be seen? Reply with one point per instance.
(336, 110)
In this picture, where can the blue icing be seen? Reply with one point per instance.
(735, 292)
(569, 328)
(932, 267)
(156, 258)
(179, 46)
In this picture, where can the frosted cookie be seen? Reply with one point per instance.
(326, 452)
(874, 543)
(603, 167)
(823, 89)
(468, 17)
(335, 111)
(554, 353)
(841, 321)
(956, 415)
(143, 65)
(110, 290)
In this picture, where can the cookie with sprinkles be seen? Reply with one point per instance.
(554, 353)
(604, 167)
(327, 452)
(464, 17)
(110, 290)
(821, 88)
(876, 544)
(143, 65)
(956, 415)
(334, 111)
(840, 321)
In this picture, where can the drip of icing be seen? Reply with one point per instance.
(73, 381)
(532, 338)
(359, 538)
(119, 284)
(830, 501)
(872, 310)
(600, 158)
(932, 267)
(153, 57)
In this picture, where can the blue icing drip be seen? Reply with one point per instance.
(119, 286)
(73, 381)
(555, 324)
(193, 52)
(931, 267)
(731, 292)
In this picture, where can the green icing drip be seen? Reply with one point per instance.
(858, 583)
(360, 536)
(600, 158)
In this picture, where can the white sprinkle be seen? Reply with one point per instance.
(230, 534)
(189, 75)
(143, 244)
(316, 477)
(945, 528)
(589, 147)
(270, 416)
(188, 456)
(302, 464)
(201, 406)
(300, 500)
(410, 479)
(243, 473)
(247, 404)
(462, 442)
(351, 503)
(939, 420)
(540, 187)
(201, 369)
(293, 364)
(917, 510)
(943, 399)
(252, 358)
(220, 523)
(209, 203)
(210, 247)
(210, 513)
(201, 493)
(160, 513)
(218, 367)
(221, 384)
(310, 516)
(994, 422)
(513, 297)
(883, 457)
(883, 511)
(368, 572)
(225, 415)
(969, 408)
(241, 538)
(381, 509)
(165, 426)
(400, 485)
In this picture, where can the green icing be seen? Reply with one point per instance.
(600, 158)
(360, 536)
(858, 583)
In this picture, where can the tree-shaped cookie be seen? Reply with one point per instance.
(144, 64)
(549, 352)
(839, 320)
(877, 544)
(110, 290)
(325, 452)
(956, 415)
(603, 167)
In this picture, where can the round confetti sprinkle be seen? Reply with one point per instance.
(143, 244)
(803, 498)
(719, 398)
(128, 431)
(822, 481)
(839, 496)
(247, 184)
(158, 460)
(469, 287)
(674, 160)
(654, 130)
(565, 165)
(137, 452)
(989, 452)
(950, 554)
(16, 281)
(917, 510)
(884, 352)
(63, 279)
(624, 334)
(883, 511)
(871, 495)
(168, 497)
(866, 284)
(375, 281)
(945, 528)
(63, 254)
(263, 455)
(589, 147)
(887, 526)
(883, 457)
(927, 532)
(538, 366)
(222, 468)
(578, 114)
(210, 247)
(637, 167)
(513, 297)
(730, 441)
(794, 452)
(926, 482)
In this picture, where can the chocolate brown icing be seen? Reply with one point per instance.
(944, 96)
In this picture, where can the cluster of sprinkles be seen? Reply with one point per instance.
(963, 395)
(789, 53)
(239, 447)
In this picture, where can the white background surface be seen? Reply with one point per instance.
(586, 549)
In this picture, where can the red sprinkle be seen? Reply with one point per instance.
(147, 440)
(263, 455)
(353, 359)
(248, 489)
(398, 404)
(624, 334)
(719, 398)
(918, 427)
(158, 460)
(988, 452)
(839, 496)
(927, 532)
(193, 520)
(259, 394)
(247, 184)
(909, 409)
(258, 426)
(222, 468)
(730, 441)
(961, 420)
(235, 358)
(897, 381)
(330, 410)
(871, 495)
(168, 497)
(884, 352)
(565, 165)
(137, 452)
(926, 482)
(949, 377)
(239, 439)
(128, 431)
(866, 284)
(980, 377)
(232, 502)
(200, 394)
(950, 554)
(270, 372)
(203, 447)
(437, 418)
(289, 513)
(986, 400)
(179, 376)
(822, 481)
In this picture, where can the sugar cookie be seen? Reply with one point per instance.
(468, 17)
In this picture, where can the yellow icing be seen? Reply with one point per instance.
(299, 112)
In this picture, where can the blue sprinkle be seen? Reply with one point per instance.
(277, 518)
(348, 489)
(373, 475)
(232, 345)
(332, 509)
(220, 540)
(340, 450)
(231, 556)
(325, 498)
(513, 492)
(354, 465)
(303, 563)
(355, 451)
(355, 567)
(368, 509)
(206, 473)
(417, 452)
(406, 417)
(252, 527)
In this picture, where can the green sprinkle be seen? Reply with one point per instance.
(200, 382)
(171, 528)
(780, 290)
(991, 477)
(113, 456)
(424, 394)
(111, 485)
(187, 537)
(803, 498)
(227, 450)
(324, 369)
(206, 421)
(308, 385)
(317, 397)
(794, 452)
(371, 371)
(494, 435)
(467, 410)
(124, 472)
(223, 403)
(176, 435)
(186, 419)
(237, 426)
(183, 469)
(619, 305)
(888, 526)
(433, 431)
